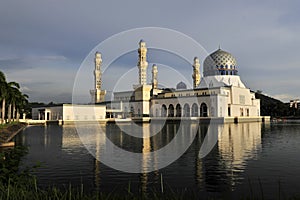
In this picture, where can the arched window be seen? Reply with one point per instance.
(186, 110)
(163, 110)
(195, 110)
(178, 110)
(132, 111)
(203, 110)
(171, 110)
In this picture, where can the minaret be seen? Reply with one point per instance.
(97, 94)
(97, 71)
(142, 63)
(196, 72)
(154, 77)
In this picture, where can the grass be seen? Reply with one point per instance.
(7, 131)
(8, 124)
(16, 191)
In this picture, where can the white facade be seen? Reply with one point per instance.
(226, 101)
(70, 112)
(219, 93)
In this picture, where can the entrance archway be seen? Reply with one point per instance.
(171, 110)
(178, 110)
(163, 110)
(203, 110)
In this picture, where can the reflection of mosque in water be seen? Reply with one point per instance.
(220, 170)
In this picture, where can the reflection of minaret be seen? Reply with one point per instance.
(142, 63)
(199, 162)
(154, 77)
(147, 158)
(97, 94)
(196, 72)
(100, 140)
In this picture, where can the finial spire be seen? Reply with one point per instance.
(142, 63)
(219, 47)
(154, 76)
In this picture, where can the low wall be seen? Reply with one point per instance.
(148, 119)
(32, 121)
(247, 119)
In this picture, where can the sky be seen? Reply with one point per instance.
(44, 43)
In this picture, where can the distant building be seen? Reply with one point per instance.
(295, 103)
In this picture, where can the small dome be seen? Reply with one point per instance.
(219, 63)
(181, 86)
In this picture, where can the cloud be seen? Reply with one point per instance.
(25, 89)
(285, 97)
(48, 40)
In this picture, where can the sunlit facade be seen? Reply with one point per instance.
(218, 93)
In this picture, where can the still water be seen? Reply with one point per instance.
(248, 159)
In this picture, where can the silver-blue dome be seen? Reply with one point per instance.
(219, 63)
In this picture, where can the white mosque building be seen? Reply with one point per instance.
(219, 93)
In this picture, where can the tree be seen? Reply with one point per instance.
(22, 102)
(3, 94)
(10, 93)
(13, 94)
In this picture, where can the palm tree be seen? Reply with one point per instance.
(16, 97)
(2, 77)
(9, 92)
(12, 96)
(20, 104)
(3, 94)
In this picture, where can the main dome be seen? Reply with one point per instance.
(219, 63)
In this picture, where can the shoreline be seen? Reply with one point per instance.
(9, 132)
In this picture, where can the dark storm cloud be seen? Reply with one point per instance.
(262, 35)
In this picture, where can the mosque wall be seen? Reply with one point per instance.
(83, 112)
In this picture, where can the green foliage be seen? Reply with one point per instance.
(9, 165)
(12, 99)
(31, 192)
(272, 107)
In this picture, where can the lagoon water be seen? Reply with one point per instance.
(248, 159)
